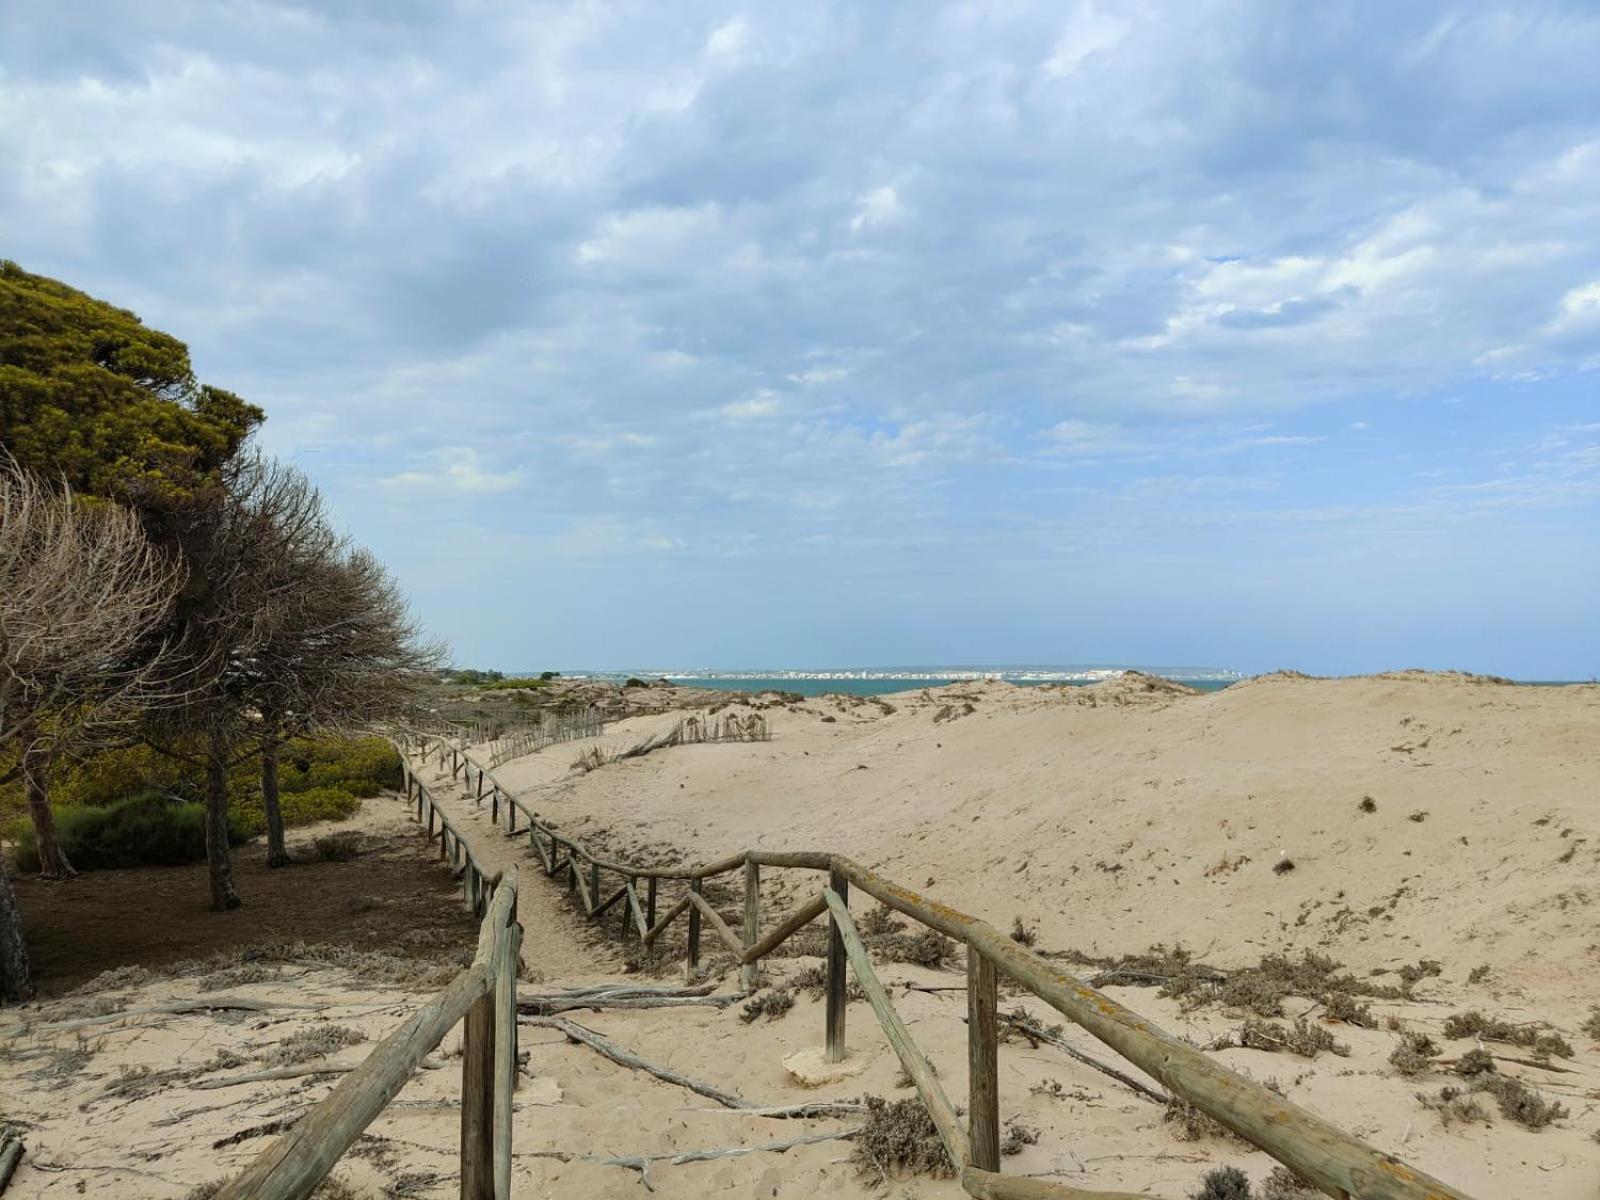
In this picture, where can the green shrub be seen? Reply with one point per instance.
(147, 830)
(319, 779)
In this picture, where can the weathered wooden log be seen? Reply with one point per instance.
(10, 1155)
(1317, 1150)
(174, 1008)
(636, 910)
(987, 1185)
(300, 1072)
(296, 1162)
(718, 925)
(671, 915)
(786, 929)
(911, 1058)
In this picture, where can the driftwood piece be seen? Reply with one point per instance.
(812, 1108)
(1034, 1032)
(549, 1006)
(175, 1008)
(642, 1162)
(227, 1081)
(624, 1057)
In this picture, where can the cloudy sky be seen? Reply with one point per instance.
(1243, 334)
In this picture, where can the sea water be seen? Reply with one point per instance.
(879, 681)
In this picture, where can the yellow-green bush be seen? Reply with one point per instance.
(319, 779)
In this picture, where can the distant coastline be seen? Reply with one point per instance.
(877, 681)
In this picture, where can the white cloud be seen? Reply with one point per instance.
(456, 469)
(763, 404)
(879, 206)
(1088, 32)
(729, 39)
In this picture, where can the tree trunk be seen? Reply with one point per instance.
(277, 854)
(223, 897)
(53, 862)
(16, 981)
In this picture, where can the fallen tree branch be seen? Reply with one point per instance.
(428, 1064)
(641, 1162)
(624, 1057)
(255, 1131)
(545, 1006)
(179, 1008)
(813, 1108)
(276, 1073)
(1035, 1032)
(633, 989)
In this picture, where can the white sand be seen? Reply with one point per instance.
(1110, 817)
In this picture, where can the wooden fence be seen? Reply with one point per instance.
(1321, 1153)
(484, 995)
(552, 728)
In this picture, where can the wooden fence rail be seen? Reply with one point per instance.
(484, 994)
(1321, 1153)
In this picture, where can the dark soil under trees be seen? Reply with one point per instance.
(394, 897)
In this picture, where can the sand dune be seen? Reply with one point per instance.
(1427, 817)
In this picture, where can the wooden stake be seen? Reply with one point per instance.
(836, 973)
(750, 973)
(505, 1058)
(983, 1086)
(692, 966)
(477, 1101)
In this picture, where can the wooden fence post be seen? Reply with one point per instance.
(692, 964)
(750, 975)
(650, 902)
(477, 1100)
(983, 1088)
(594, 887)
(837, 977)
(505, 1056)
(511, 813)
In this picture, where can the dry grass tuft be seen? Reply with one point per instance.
(1591, 1027)
(232, 977)
(1189, 1124)
(925, 949)
(318, 1041)
(343, 846)
(1223, 1183)
(879, 921)
(1304, 1039)
(1284, 1184)
(1474, 1024)
(899, 1140)
(1516, 1100)
(769, 1004)
(1414, 1054)
(1017, 1138)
